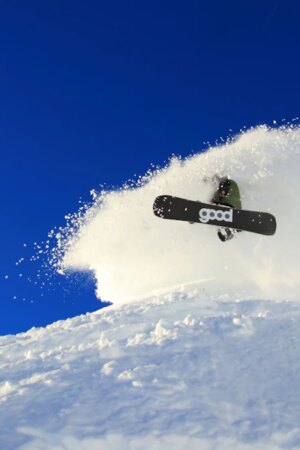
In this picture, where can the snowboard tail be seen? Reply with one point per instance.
(175, 208)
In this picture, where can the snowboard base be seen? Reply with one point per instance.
(175, 208)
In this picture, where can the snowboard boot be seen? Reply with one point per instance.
(225, 234)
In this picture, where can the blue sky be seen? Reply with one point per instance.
(94, 92)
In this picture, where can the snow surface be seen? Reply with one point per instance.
(181, 370)
(201, 349)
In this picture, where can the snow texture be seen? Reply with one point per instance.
(201, 349)
(179, 370)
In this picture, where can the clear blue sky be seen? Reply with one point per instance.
(94, 92)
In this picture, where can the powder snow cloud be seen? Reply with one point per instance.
(132, 253)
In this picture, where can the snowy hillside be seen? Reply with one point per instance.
(179, 370)
(201, 349)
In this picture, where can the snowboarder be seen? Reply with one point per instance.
(228, 194)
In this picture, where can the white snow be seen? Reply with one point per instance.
(133, 253)
(201, 350)
(179, 370)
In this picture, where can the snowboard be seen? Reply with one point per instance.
(175, 208)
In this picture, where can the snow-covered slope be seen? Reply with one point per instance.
(179, 370)
(201, 349)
